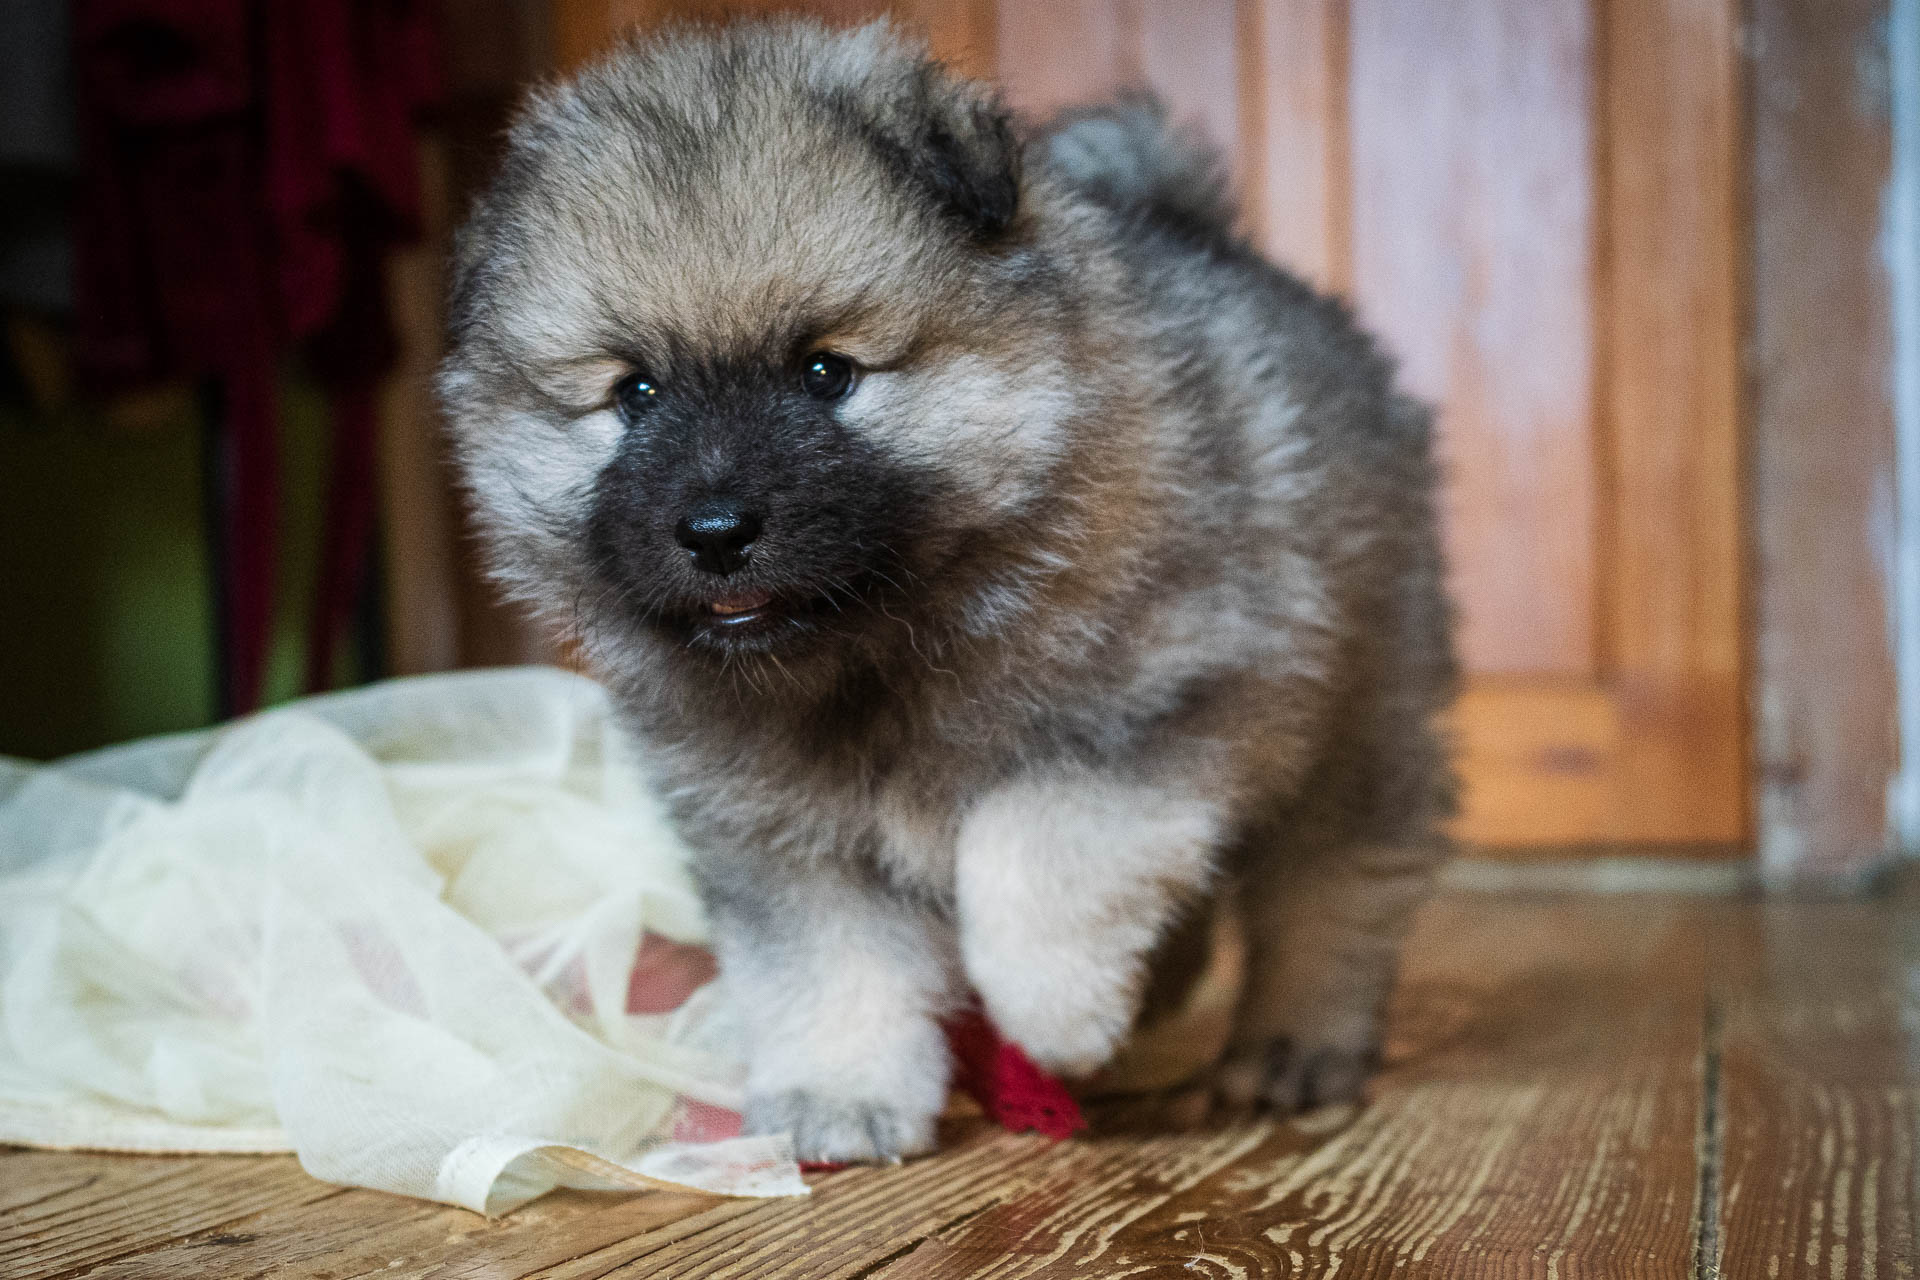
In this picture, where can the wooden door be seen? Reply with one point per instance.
(1535, 203)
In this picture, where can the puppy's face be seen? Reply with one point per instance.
(752, 345)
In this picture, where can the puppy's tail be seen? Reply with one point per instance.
(1128, 158)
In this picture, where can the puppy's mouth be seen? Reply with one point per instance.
(739, 608)
(756, 617)
(730, 619)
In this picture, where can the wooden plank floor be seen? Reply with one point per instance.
(1612, 1087)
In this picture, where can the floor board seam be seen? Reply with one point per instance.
(84, 1184)
(1710, 1144)
(880, 1264)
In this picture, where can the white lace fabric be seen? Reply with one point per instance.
(432, 935)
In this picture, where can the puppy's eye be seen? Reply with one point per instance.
(634, 395)
(826, 376)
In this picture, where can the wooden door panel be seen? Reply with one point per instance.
(1058, 55)
(1297, 163)
(961, 32)
(1191, 58)
(1473, 223)
(1673, 638)
(1556, 763)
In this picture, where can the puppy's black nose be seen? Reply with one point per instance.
(718, 534)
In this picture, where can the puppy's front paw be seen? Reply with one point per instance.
(834, 1130)
(1070, 1038)
(1289, 1075)
(1068, 1007)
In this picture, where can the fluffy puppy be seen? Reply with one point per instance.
(995, 557)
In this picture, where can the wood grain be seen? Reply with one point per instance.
(1054, 55)
(440, 610)
(1190, 57)
(855, 1221)
(583, 28)
(1540, 761)
(1473, 239)
(62, 1214)
(1066, 53)
(1822, 434)
(1536, 1118)
(420, 560)
(1543, 1089)
(1818, 1110)
(960, 32)
(1295, 163)
(1673, 639)
(1554, 765)
(366, 1233)
(1575, 1087)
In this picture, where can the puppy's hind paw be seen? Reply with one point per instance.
(1290, 1076)
(830, 1130)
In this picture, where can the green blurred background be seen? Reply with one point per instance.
(108, 617)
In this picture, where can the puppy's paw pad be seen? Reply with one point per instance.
(1290, 1076)
(829, 1130)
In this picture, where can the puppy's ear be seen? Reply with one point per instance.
(953, 143)
(966, 153)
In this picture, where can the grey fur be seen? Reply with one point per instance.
(1126, 157)
(1112, 588)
